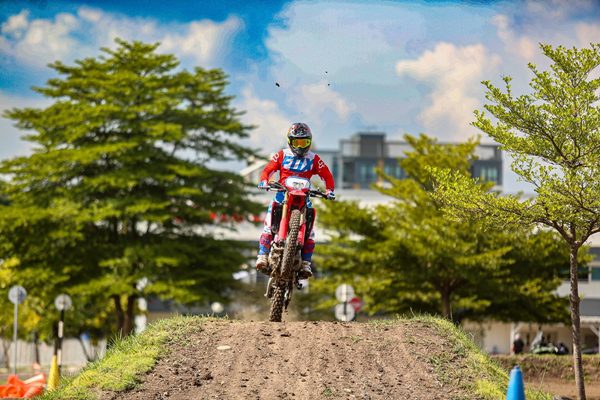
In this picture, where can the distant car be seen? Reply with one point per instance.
(590, 350)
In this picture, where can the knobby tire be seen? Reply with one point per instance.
(277, 304)
(287, 265)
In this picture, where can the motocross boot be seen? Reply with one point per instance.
(305, 271)
(262, 264)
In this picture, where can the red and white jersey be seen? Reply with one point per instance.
(289, 164)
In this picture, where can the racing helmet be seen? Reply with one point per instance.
(299, 138)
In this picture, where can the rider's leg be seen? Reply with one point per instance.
(309, 244)
(271, 223)
(264, 244)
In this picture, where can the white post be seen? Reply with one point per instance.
(513, 329)
(15, 328)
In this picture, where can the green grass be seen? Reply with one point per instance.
(462, 363)
(127, 361)
(480, 375)
(549, 366)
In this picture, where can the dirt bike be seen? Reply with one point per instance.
(285, 259)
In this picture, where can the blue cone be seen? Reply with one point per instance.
(516, 389)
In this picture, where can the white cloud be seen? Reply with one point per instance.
(39, 41)
(201, 40)
(455, 74)
(555, 22)
(15, 24)
(319, 98)
(342, 38)
(90, 14)
(523, 46)
(36, 42)
(271, 122)
(352, 47)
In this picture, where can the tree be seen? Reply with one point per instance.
(40, 250)
(407, 255)
(120, 181)
(553, 136)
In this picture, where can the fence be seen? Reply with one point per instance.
(73, 354)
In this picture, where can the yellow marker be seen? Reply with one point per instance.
(54, 378)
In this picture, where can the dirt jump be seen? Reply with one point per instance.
(316, 360)
(297, 360)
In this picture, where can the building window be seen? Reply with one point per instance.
(366, 172)
(394, 170)
(488, 173)
(596, 273)
(348, 172)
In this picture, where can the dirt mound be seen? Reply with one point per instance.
(299, 360)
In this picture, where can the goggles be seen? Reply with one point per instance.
(300, 143)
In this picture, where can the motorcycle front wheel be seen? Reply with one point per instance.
(287, 268)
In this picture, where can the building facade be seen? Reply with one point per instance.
(355, 162)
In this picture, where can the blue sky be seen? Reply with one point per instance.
(342, 66)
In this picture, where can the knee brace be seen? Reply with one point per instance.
(265, 243)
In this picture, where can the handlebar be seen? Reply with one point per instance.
(318, 193)
(281, 188)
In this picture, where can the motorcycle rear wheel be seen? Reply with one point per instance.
(277, 304)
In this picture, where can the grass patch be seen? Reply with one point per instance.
(549, 366)
(461, 363)
(126, 361)
(489, 380)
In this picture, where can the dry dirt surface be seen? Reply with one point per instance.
(298, 360)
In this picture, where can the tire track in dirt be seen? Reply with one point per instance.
(296, 360)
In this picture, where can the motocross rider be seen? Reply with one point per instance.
(297, 160)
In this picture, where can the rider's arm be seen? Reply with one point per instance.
(272, 166)
(321, 169)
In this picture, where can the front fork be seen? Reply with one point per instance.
(276, 255)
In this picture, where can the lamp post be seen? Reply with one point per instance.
(16, 295)
(62, 302)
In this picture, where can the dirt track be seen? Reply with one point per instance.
(298, 360)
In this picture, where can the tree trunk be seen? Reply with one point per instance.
(120, 316)
(575, 324)
(36, 347)
(446, 308)
(129, 317)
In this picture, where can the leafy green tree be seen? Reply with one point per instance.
(39, 249)
(553, 137)
(120, 182)
(407, 255)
